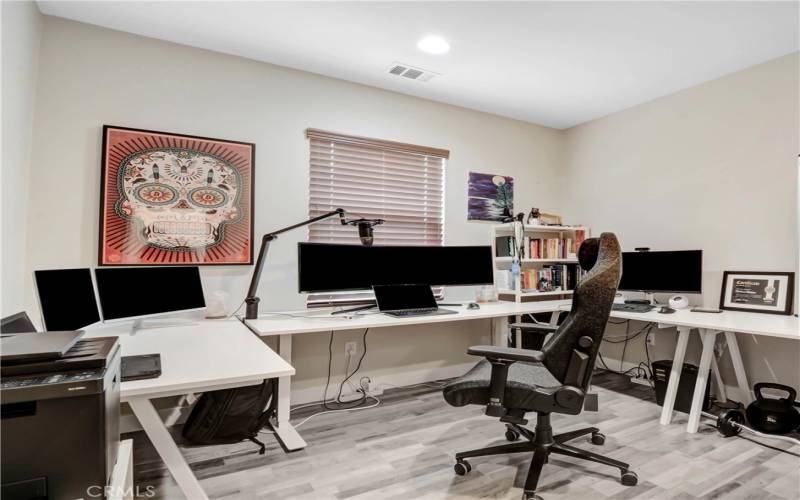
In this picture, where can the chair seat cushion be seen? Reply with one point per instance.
(521, 386)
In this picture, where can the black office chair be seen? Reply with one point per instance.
(512, 382)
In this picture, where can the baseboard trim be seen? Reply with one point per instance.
(177, 415)
(731, 391)
(173, 415)
(381, 381)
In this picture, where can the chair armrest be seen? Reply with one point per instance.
(533, 327)
(505, 353)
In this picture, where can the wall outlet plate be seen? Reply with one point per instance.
(350, 348)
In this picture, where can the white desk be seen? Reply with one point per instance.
(196, 357)
(709, 326)
(285, 326)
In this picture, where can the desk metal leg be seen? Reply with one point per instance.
(166, 448)
(500, 331)
(721, 394)
(709, 337)
(675, 375)
(284, 431)
(738, 368)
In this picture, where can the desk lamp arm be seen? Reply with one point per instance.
(252, 300)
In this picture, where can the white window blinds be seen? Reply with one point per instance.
(400, 183)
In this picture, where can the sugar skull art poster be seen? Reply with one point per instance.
(171, 199)
(489, 196)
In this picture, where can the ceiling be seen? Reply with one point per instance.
(553, 63)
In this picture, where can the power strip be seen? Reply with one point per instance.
(640, 381)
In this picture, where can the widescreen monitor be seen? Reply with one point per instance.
(66, 298)
(673, 272)
(141, 292)
(324, 267)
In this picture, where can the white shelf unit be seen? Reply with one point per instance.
(504, 263)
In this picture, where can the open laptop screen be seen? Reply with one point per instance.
(403, 297)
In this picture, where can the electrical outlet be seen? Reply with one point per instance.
(364, 383)
(350, 348)
(651, 339)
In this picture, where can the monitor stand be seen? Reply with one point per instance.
(152, 324)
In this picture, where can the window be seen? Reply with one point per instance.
(376, 179)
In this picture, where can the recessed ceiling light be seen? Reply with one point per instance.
(434, 44)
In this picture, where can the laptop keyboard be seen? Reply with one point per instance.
(412, 312)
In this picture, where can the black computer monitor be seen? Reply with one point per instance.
(674, 272)
(324, 267)
(141, 292)
(66, 298)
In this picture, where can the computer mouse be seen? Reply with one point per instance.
(473, 305)
(666, 310)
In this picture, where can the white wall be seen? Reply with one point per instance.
(21, 33)
(712, 167)
(92, 76)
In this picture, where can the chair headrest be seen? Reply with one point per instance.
(591, 248)
(587, 253)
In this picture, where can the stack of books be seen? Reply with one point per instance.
(540, 248)
(549, 278)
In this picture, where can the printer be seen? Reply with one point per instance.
(60, 415)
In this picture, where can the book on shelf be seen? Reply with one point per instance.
(550, 248)
(556, 277)
(541, 248)
(504, 246)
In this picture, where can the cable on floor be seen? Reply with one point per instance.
(376, 403)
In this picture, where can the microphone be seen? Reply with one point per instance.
(365, 229)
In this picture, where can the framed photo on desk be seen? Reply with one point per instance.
(757, 291)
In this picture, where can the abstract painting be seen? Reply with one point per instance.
(489, 196)
(172, 199)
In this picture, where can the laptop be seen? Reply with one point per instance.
(407, 300)
(33, 347)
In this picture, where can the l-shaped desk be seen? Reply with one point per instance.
(709, 325)
(217, 354)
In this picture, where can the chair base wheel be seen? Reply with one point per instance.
(512, 435)
(462, 468)
(629, 478)
(598, 438)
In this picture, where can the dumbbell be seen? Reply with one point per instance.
(730, 421)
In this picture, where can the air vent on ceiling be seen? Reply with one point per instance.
(410, 72)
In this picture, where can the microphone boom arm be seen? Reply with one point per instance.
(364, 231)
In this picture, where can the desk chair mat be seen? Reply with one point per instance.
(523, 380)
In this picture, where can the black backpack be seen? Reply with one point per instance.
(231, 415)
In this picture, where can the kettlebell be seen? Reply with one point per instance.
(771, 415)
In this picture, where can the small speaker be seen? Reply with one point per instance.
(678, 302)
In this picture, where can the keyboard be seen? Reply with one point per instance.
(413, 312)
(635, 308)
(420, 312)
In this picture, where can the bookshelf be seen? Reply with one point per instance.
(555, 260)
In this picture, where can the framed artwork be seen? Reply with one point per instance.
(757, 291)
(489, 197)
(172, 199)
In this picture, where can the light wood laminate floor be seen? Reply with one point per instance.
(404, 449)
